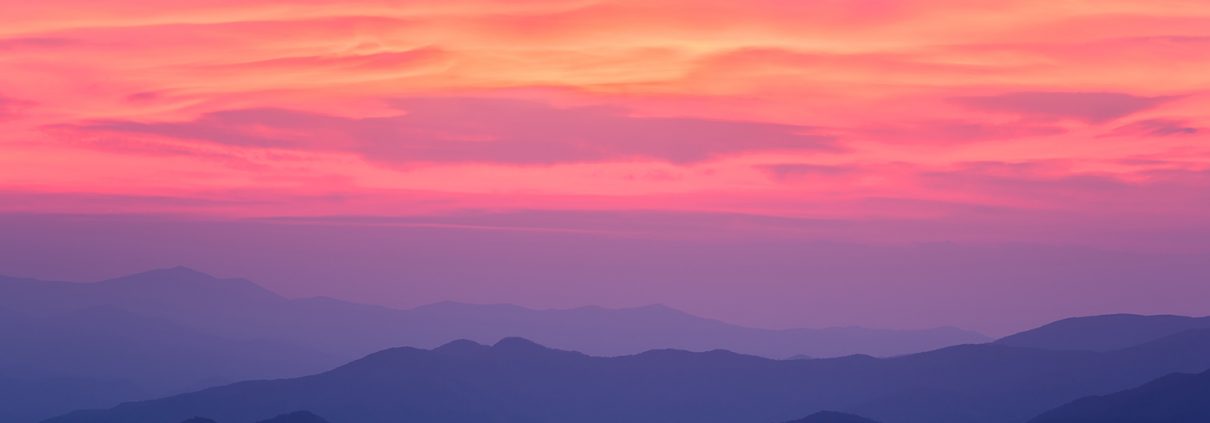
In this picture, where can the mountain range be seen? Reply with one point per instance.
(238, 308)
(88, 345)
(174, 333)
(516, 380)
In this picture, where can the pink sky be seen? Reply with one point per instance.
(1077, 122)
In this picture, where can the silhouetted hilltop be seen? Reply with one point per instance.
(1175, 398)
(833, 417)
(518, 380)
(1103, 333)
(172, 292)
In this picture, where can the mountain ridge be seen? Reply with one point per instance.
(1173, 398)
(1103, 332)
(239, 308)
(518, 380)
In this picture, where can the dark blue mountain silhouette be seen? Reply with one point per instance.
(833, 417)
(1103, 333)
(518, 380)
(1175, 398)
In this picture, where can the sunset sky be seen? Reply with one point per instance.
(1079, 125)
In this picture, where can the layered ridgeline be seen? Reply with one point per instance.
(238, 308)
(69, 346)
(516, 380)
(1103, 333)
(75, 346)
(1175, 398)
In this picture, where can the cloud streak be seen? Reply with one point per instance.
(1092, 107)
(486, 131)
(1156, 128)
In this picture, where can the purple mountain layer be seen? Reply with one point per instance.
(240, 309)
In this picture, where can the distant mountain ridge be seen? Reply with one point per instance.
(1103, 333)
(240, 309)
(517, 380)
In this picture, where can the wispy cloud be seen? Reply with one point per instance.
(1156, 128)
(1092, 107)
(487, 131)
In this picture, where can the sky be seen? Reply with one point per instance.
(771, 162)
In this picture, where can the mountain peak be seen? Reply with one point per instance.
(460, 346)
(518, 344)
(181, 270)
(184, 281)
(175, 273)
(658, 308)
